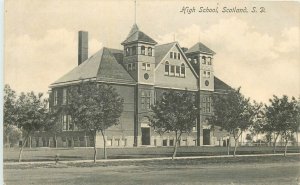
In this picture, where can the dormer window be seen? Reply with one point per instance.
(178, 56)
(175, 55)
(171, 54)
(149, 51)
(167, 68)
(203, 60)
(143, 50)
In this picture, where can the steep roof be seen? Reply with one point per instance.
(220, 85)
(136, 35)
(161, 51)
(199, 47)
(104, 65)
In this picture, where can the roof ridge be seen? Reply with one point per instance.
(167, 43)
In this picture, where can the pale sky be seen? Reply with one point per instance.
(259, 52)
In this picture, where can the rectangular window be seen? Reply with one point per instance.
(165, 142)
(55, 97)
(206, 104)
(148, 67)
(117, 142)
(146, 99)
(134, 50)
(70, 124)
(64, 102)
(208, 74)
(171, 142)
(129, 67)
(167, 68)
(64, 123)
(172, 71)
(204, 73)
(109, 142)
(182, 72)
(144, 66)
(171, 54)
(178, 56)
(175, 55)
(177, 70)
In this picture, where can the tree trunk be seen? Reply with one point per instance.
(175, 147)
(104, 145)
(274, 144)
(228, 146)
(21, 150)
(30, 141)
(7, 141)
(235, 146)
(95, 149)
(285, 147)
(55, 140)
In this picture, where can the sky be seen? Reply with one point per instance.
(258, 52)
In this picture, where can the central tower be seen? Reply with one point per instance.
(139, 56)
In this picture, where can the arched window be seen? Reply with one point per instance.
(167, 68)
(182, 71)
(149, 51)
(203, 60)
(143, 50)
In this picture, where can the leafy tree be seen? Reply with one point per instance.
(94, 107)
(281, 119)
(175, 112)
(9, 112)
(32, 114)
(233, 113)
(12, 135)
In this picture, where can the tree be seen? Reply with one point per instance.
(233, 113)
(9, 112)
(12, 135)
(94, 107)
(175, 112)
(281, 119)
(31, 112)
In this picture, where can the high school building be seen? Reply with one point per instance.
(141, 72)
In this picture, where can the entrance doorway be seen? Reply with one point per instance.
(146, 136)
(206, 136)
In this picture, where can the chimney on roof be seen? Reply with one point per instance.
(82, 46)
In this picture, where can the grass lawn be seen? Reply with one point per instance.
(240, 170)
(47, 154)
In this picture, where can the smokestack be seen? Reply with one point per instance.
(83, 46)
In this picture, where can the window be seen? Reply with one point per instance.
(146, 99)
(64, 122)
(208, 74)
(175, 55)
(109, 142)
(149, 51)
(204, 73)
(171, 142)
(55, 97)
(206, 104)
(148, 67)
(70, 123)
(209, 60)
(203, 60)
(133, 50)
(167, 68)
(177, 71)
(127, 52)
(172, 71)
(165, 142)
(143, 50)
(64, 102)
(178, 56)
(143, 66)
(133, 67)
(171, 54)
(117, 142)
(182, 72)
(129, 67)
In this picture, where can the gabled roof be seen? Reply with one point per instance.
(220, 85)
(104, 65)
(161, 51)
(136, 35)
(199, 47)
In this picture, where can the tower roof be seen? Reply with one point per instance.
(199, 47)
(135, 35)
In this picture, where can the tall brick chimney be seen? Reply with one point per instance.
(83, 46)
